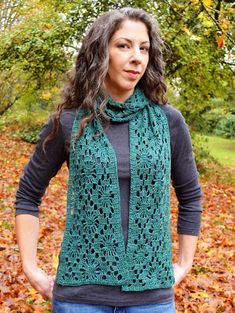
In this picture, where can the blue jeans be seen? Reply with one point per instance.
(66, 307)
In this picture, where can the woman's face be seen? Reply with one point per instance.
(128, 59)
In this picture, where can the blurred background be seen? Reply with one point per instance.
(39, 40)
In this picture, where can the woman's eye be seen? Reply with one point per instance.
(123, 46)
(146, 49)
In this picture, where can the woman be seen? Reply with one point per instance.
(124, 144)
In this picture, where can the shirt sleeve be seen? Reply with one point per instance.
(39, 171)
(184, 176)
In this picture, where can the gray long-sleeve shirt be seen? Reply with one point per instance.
(41, 169)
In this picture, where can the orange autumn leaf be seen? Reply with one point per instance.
(220, 41)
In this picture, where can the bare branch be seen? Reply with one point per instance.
(228, 63)
(8, 106)
(217, 10)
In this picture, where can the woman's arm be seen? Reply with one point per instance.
(188, 191)
(187, 249)
(37, 174)
(27, 227)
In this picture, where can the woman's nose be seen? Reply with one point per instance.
(136, 55)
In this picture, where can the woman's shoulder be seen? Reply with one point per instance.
(171, 112)
(174, 116)
(66, 121)
(68, 115)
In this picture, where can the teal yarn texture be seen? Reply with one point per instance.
(93, 249)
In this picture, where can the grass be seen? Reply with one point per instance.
(222, 149)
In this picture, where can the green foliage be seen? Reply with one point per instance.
(33, 57)
(219, 121)
(203, 157)
(197, 68)
(226, 126)
(47, 33)
(38, 46)
(210, 119)
(35, 44)
(25, 123)
(30, 135)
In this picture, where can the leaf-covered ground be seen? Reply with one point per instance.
(208, 288)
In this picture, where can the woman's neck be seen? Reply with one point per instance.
(118, 96)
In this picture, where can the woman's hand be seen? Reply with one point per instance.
(180, 271)
(40, 281)
(187, 248)
(27, 227)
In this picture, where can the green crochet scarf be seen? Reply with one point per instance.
(93, 249)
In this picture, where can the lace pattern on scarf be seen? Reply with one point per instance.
(93, 250)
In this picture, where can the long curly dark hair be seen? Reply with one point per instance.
(87, 78)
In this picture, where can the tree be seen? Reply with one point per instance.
(38, 47)
(9, 13)
(32, 53)
(200, 38)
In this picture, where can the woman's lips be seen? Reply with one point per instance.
(133, 74)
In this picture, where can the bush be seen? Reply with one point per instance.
(30, 135)
(210, 119)
(24, 124)
(203, 157)
(226, 126)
